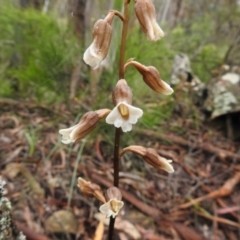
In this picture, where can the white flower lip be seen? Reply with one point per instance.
(167, 88)
(154, 32)
(91, 57)
(102, 34)
(68, 134)
(108, 210)
(117, 120)
(167, 166)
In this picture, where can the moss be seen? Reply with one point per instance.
(8, 230)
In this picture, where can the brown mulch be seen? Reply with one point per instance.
(200, 200)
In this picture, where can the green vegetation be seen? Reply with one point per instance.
(38, 55)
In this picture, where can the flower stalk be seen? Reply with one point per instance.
(123, 116)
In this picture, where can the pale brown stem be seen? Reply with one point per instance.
(220, 220)
(139, 150)
(136, 64)
(128, 63)
(118, 14)
(123, 40)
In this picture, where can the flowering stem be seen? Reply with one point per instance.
(116, 175)
(116, 156)
(118, 130)
(111, 228)
(123, 40)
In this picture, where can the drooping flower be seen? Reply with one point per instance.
(123, 115)
(102, 35)
(90, 188)
(86, 124)
(146, 14)
(150, 156)
(151, 77)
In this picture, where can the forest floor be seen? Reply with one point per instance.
(200, 200)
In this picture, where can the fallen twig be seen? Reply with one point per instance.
(208, 147)
(30, 234)
(185, 232)
(225, 190)
(219, 219)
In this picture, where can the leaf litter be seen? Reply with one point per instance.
(200, 200)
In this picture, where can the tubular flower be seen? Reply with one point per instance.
(146, 14)
(150, 156)
(151, 77)
(102, 35)
(114, 204)
(89, 188)
(124, 115)
(86, 124)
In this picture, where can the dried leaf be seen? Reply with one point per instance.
(122, 236)
(149, 235)
(13, 169)
(99, 231)
(62, 221)
(187, 233)
(224, 191)
(121, 225)
(228, 186)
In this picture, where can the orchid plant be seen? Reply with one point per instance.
(124, 115)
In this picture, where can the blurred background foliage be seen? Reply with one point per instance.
(37, 54)
(41, 50)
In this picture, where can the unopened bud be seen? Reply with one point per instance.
(86, 124)
(151, 77)
(146, 14)
(113, 193)
(150, 156)
(91, 189)
(122, 93)
(102, 35)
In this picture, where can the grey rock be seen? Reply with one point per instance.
(223, 95)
